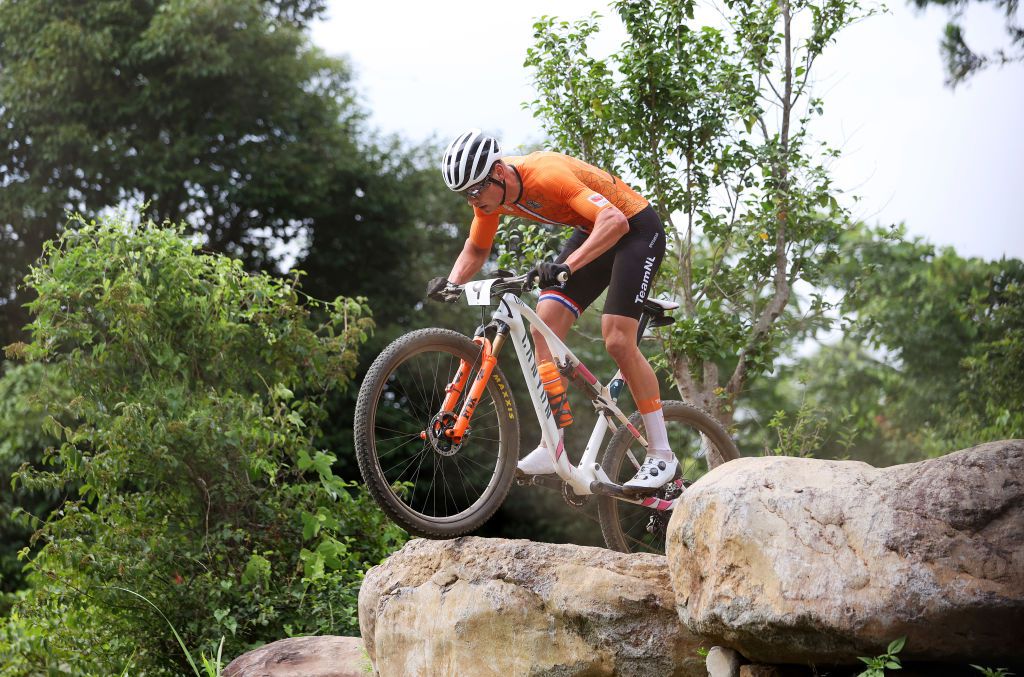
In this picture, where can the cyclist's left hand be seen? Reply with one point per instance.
(438, 290)
(547, 274)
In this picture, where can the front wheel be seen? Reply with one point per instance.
(698, 441)
(429, 486)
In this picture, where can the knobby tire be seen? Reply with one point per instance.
(399, 396)
(624, 525)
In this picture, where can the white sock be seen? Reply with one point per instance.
(657, 435)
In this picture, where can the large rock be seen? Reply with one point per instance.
(303, 657)
(801, 560)
(474, 606)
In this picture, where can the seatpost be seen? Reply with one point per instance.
(645, 319)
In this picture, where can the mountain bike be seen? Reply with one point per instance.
(437, 429)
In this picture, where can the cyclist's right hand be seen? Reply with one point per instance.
(548, 274)
(438, 290)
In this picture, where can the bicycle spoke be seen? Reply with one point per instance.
(423, 453)
(428, 483)
(692, 437)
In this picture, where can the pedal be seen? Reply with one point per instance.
(608, 489)
(619, 491)
(641, 492)
(550, 481)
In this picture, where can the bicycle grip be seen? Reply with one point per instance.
(563, 277)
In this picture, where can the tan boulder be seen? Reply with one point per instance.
(475, 606)
(323, 656)
(802, 560)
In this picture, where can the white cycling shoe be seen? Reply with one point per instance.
(653, 474)
(537, 462)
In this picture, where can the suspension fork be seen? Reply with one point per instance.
(488, 358)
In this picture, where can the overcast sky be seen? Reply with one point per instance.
(950, 164)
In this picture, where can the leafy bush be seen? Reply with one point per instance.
(190, 435)
(26, 394)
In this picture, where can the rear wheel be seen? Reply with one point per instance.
(428, 485)
(698, 441)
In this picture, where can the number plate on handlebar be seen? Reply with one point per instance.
(479, 293)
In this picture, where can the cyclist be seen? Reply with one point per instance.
(618, 244)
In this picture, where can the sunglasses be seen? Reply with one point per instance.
(473, 192)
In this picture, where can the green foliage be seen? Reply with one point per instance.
(190, 435)
(948, 333)
(218, 114)
(390, 213)
(834, 395)
(887, 661)
(961, 60)
(990, 672)
(210, 667)
(712, 122)
(931, 361)
(521, 245)
(804, 432)
(27, 396)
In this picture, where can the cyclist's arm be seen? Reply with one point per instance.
(610, 224)
(477, 248)
(470, 261)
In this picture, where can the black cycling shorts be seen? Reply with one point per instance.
(626, 270)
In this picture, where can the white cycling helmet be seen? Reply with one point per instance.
(468, 159)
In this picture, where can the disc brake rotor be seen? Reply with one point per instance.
(438, 434)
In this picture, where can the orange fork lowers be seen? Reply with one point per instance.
(488, 358)
(452, 393)
(454, 390)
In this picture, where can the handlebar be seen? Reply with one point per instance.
(504, 283)
(512, 284)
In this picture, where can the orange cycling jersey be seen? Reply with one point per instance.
(559, 190)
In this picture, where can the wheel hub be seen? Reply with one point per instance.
(439, 431)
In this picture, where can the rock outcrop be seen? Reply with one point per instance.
(304, 657)
(474, 606)
(806, 561)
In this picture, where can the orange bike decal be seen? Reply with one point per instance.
(487, 362)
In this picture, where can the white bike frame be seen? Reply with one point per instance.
(511, 311)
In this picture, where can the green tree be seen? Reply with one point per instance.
(948, 335)
(713, 122)
(221, 115)
(931, 359)
(218, 114)
(961, 60)
(387, 230)
(196, 396)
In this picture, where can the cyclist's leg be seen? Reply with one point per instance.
(620, 341)
(558, 317)
(559, 307)
(637, 260)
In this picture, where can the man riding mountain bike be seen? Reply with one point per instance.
(618, 245)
